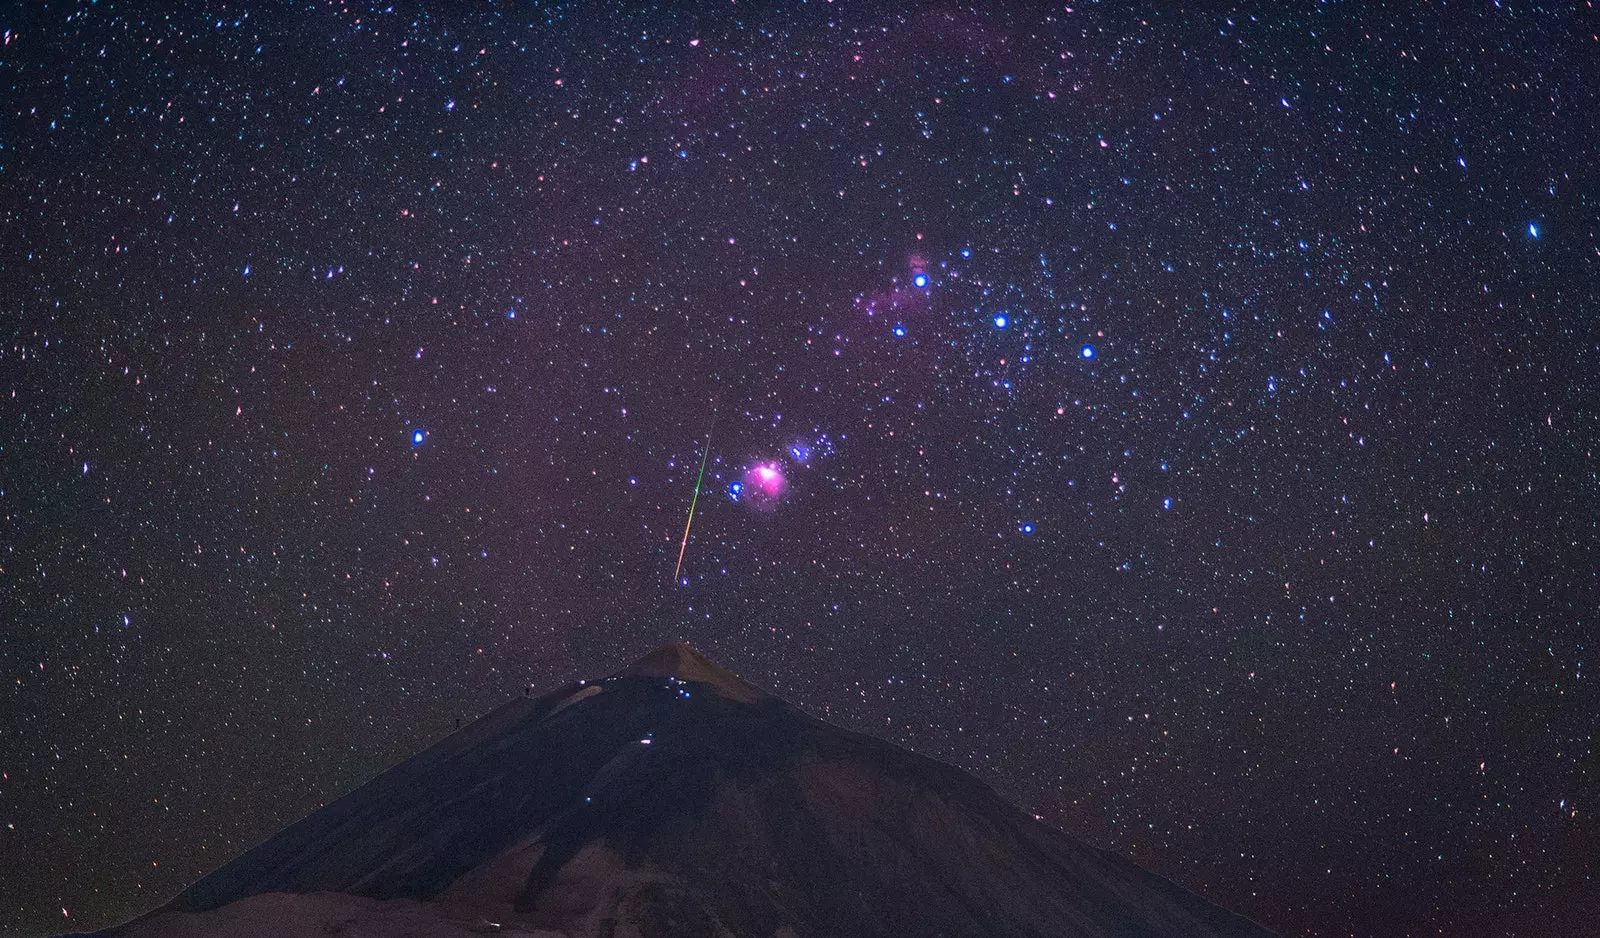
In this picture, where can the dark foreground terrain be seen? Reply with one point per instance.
(675, 799)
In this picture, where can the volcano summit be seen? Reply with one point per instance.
(676, 799)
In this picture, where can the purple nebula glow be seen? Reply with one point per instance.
(764, 485)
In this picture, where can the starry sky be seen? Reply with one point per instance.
(1184, 422)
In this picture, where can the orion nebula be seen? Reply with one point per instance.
(764, 486)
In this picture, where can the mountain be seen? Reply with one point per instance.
(676, 800)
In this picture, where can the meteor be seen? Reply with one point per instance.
(696, 499)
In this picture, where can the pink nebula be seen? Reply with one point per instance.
(764, 485)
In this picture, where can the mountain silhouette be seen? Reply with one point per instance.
(674, 799)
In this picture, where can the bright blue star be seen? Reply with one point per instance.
(799, 452)
(1086, 352)
(966, 252)
(417, 436)
(1000, 321)
(735, 489)
(899, 330)
(1533, 230)
(1027, 527)
(919, 279)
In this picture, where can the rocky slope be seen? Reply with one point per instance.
(675, 799)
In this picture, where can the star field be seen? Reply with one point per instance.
(1184, 422)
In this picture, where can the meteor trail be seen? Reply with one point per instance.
(696, 499)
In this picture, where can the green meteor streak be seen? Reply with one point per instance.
(692, 502)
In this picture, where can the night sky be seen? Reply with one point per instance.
(1186, 423)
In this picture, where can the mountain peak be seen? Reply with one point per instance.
(682, 661)
(633, 805)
